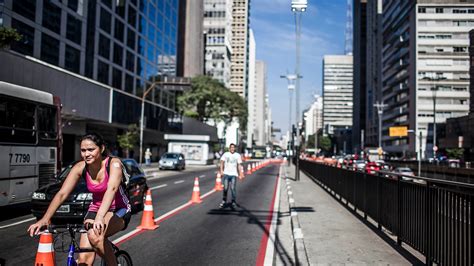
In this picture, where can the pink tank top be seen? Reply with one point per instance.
(98, 190)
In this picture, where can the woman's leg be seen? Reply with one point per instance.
(85, 258)
(100, 242)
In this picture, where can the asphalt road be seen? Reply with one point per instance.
(196, 234)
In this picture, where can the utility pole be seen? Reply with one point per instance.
(380, 107)
(298, 7)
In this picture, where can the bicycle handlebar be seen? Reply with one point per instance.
(75, 227)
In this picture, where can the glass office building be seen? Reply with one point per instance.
(98, 56)
(123, 44)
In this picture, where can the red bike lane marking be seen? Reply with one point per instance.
(268, 223)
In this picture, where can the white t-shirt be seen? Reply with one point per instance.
(231, 163)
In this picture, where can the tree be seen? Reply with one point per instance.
(455, 153)
(8, 36)
(208, 99)
(325, 143)
(128, 140)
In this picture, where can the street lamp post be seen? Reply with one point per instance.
(380, 107)
(298, 7)
(434, 88)
(142, 118)
(420, 150)
(291, 78)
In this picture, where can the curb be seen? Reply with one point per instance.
(301, 256)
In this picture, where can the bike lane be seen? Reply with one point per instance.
(204, 234)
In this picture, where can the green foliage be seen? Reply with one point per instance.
(8, 36)
(128, 140)
(455, 153)
(209, 99)
(325, 143)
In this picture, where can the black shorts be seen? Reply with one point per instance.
(120, 213)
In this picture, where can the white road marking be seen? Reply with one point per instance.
(179, 181)
(19, 222)
(157, 187)
(272, 230)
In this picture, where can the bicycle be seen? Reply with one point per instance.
(123, 258)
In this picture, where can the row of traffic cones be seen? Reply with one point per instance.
(45, 254)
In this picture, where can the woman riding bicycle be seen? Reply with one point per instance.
(109, 211)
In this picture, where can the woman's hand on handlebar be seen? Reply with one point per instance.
(99, 225)
(35, 228)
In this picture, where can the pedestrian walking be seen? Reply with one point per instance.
(148, 155)
(230, 168)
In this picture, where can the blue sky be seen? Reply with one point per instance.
(273, 23)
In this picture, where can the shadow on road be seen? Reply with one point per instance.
(261, 219)
(13, 211)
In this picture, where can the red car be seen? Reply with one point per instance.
(372, 167)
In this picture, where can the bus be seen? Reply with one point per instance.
(30, 135)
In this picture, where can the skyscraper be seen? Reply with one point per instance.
(240, 36)
(337, 92)
(424, 68)
(360, 70)
(218, 32)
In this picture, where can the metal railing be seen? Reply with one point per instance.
(432, 216)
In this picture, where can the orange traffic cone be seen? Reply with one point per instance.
(218, 186)
(148, 219)
(196, 197)
(249, 169)
(45, 253)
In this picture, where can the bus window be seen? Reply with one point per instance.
(17, 121)
(47, 122)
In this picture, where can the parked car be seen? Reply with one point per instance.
(172, 160)
(76, 205)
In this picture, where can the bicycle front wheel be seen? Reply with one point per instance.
(123, 259)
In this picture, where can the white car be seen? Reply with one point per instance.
(404, 171)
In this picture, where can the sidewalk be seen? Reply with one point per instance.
(330, 233)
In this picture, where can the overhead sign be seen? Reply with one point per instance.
(398, 131)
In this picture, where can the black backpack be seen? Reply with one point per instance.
(125, 175)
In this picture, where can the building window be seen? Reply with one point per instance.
(103, 72)
(74, 29)
(104, 46)
(130, 62)
(132, 16)
(52, 16)
(117, 78)
(25, 45)
(119, 29)
(26, 8)
(118, 54)
(105, 20)
(73, 59)
(131, 39)
(49, 49)
(128, 83)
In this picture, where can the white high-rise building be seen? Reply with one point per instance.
(218, 32)
(425, 69)
(252, 93)
(240, 42)
(260, 103)
(314, 117)
(337, 92)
